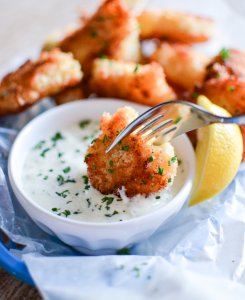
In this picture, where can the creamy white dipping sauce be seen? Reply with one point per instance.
(55, 177)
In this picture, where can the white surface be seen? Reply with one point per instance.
(86, 236)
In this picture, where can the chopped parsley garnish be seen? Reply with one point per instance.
(93, 141)
(110, 171)
(87, 156)
(58, 136)
(50, 170)
(45, 177)
(55, 209)
(39, 145)
(231, 88)
(60, 154)
(66, 213)
(123, 251)
(150, 159)
(103, 56)
(119, 131)
(177, 120)
(76, 194)
(224, 53)
(110, 163)
(89, 202)
(125, 148)
(110, 215)
(107, 200)
(87, 187)
(136, 69)
(61, 180)
(84, 123)
(158, 197)
(194, 95)
(63, 194)
(93, 33)
(169, 180)
(67, 170)
(85, 179)
(105, 139)
(179, 162)
(172, 160)
(160, 171)
(43, 153)
(137, 271)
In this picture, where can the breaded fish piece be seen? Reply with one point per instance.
(143, 84)
(138, 166)
(112, 31)
(228, 93)
(184, 66)
(228, 62)
(70, 94)
(175, 26)
(49, 74)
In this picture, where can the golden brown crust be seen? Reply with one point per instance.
(70, 94)
(184, 66)
(143, 84)
(228, 93)
(228, 62)
(175, 26)
(105, 33)
(128, 164)
(49, 74)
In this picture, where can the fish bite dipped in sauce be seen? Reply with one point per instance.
(135, 164)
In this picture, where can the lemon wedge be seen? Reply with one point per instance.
(218, 155)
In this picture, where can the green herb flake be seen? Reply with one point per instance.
(55, 209)
(110, 163)
(67, 170)
(158, 197)
(136, 69)
(50, 170)
(137, 272)
(172, 160)
(125, 148)
(89, 202)
(93, 167)
(113, 214)
(93, 33)
(224, 53)
(110, 171)
(66, 213)
(118, 132)
(179, 162)
(123, 251)
(169, 180)
(103, 56)
(39, 145)
(177, 120)
(160, 171)
(194, 95)
(150, 159)
(58, 136)
(231, 88)
(63, 194)
(87, 156)
(85, 179)
(105, 139)
(84, 123)
(87, 187)
(43, 153)
(45, 177)
(107, 200)
(60, 154)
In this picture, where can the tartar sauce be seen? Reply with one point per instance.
(55, 177)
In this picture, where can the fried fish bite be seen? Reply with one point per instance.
(175, 26)
(135, 164)
(70, 94)
(228, 62)
(51, 73)
(143, 84)
(184, 66)
(111, 31)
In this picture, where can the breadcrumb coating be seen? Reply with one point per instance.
(135, 164)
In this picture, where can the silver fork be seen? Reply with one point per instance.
(168, 120)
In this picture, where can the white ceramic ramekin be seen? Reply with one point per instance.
(92, 238)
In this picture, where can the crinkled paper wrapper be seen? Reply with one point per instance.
(198, 254)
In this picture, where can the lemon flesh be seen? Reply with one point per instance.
(218, 155)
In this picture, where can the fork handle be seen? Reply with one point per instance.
(239, 120)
